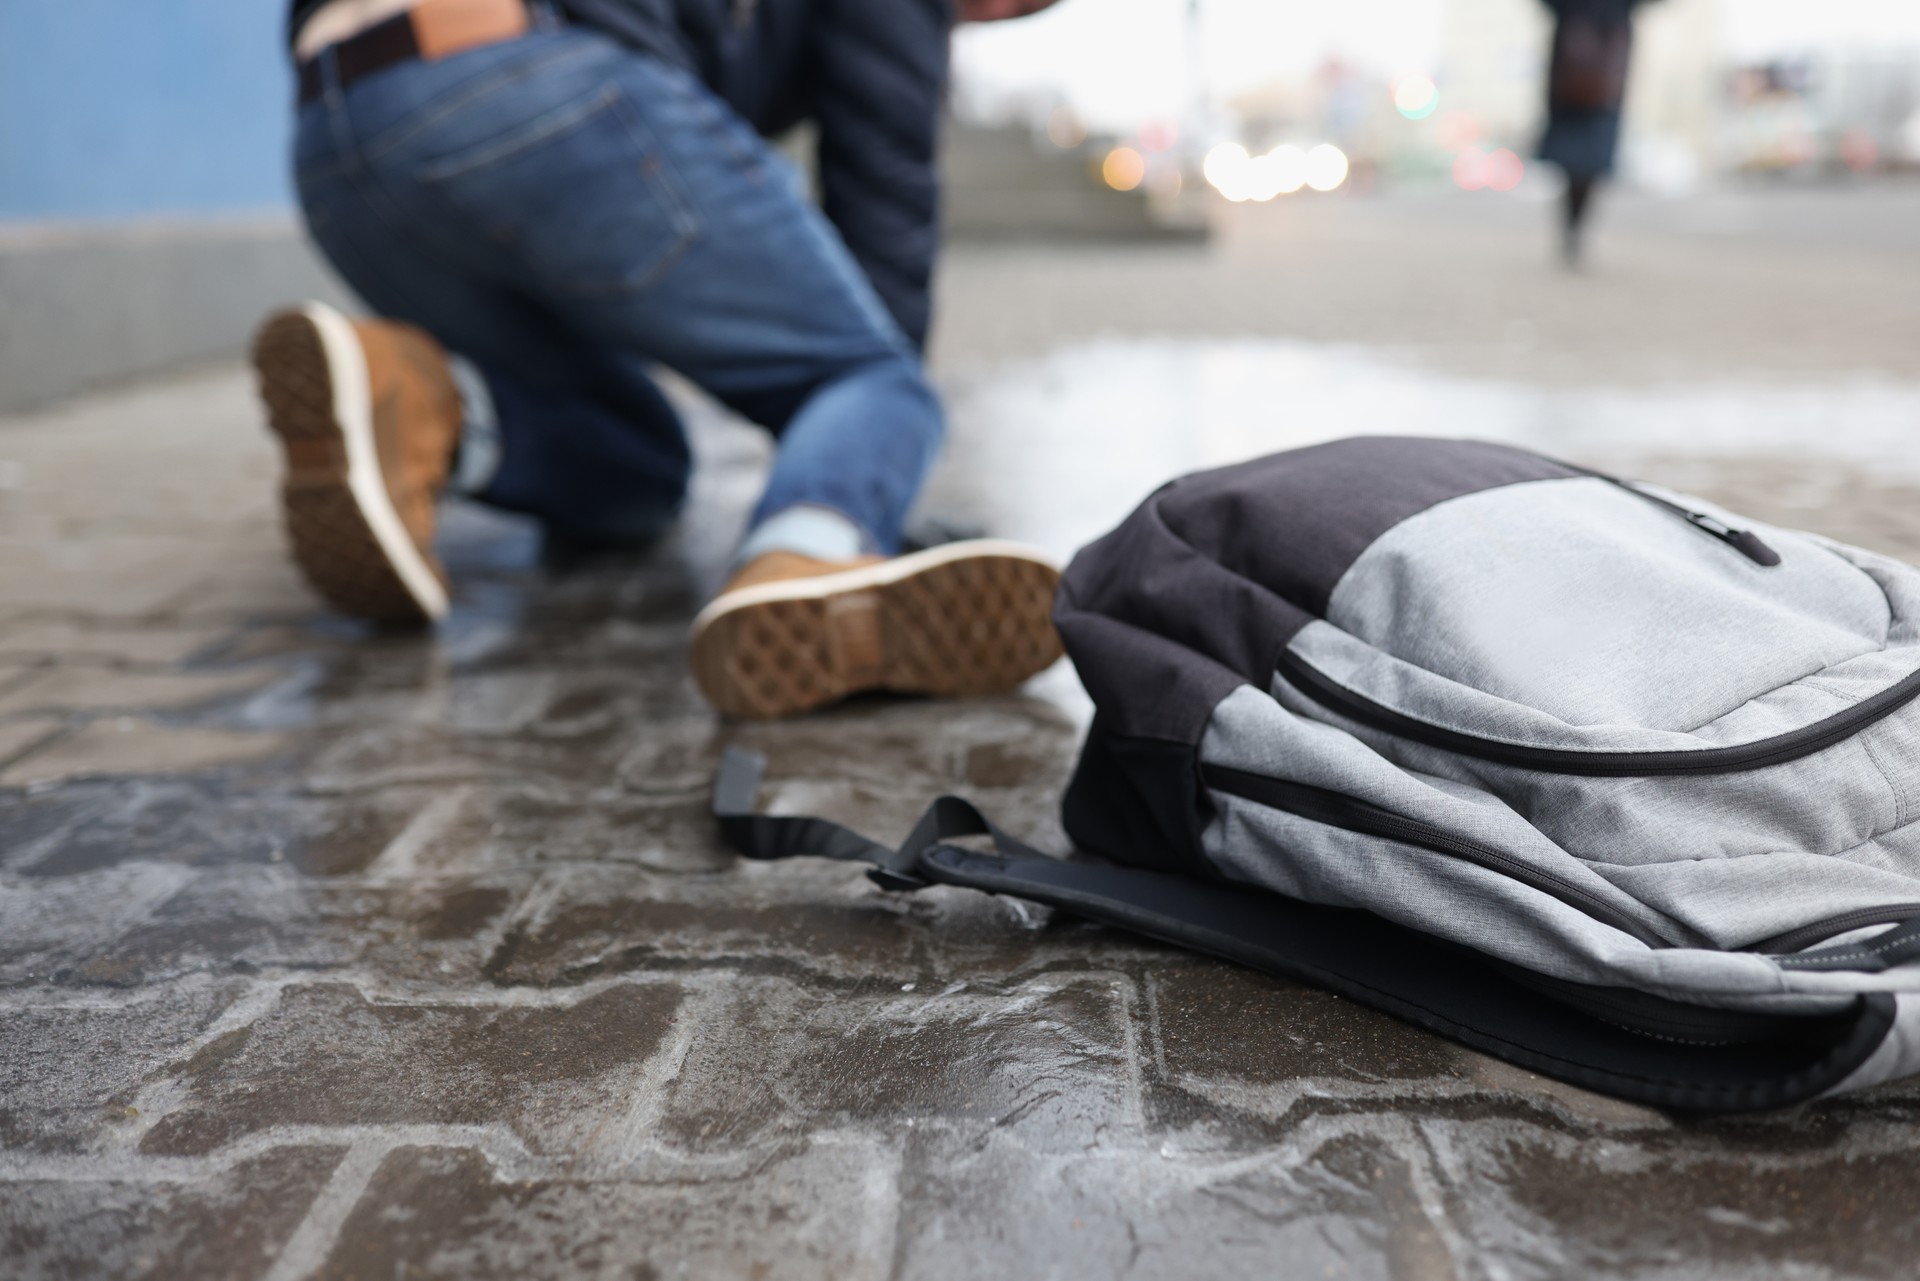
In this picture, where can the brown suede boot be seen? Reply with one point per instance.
(369, 415)
(790, 634)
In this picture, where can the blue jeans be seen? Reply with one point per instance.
(566, 213)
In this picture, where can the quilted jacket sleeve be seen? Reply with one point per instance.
(879, 83)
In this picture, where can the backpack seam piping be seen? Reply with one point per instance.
(1809, 681)
(1880, 835)
(1902, 802)
(1885, 646)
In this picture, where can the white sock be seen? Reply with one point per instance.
(478, 458)
(819, 532)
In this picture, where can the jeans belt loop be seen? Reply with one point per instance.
(329, 62)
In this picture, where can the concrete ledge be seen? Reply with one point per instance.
(85, 306)
(1000, 184)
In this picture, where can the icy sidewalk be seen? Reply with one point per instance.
(339, 954)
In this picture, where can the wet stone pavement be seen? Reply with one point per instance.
(337, 954)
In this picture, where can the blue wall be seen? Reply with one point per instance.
(128, 108)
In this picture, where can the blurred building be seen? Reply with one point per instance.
(1338, 103)
(1014, 181)
(1692, 111)
(1493, 63)
(1675, 94)
(1831, 111)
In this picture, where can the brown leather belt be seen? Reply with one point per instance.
(429, 31)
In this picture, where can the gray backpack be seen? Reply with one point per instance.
(1579, 773)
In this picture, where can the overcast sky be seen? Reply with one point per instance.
(1123, 61)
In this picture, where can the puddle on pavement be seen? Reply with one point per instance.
(1056, 451)
(1059, 449)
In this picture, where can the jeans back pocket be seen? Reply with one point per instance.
(582, 196)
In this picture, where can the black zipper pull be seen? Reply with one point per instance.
(1744, 541)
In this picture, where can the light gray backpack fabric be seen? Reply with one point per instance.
(1608, 782)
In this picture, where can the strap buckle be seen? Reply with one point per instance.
(766, 836)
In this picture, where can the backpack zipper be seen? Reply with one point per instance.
(1334, 809)
(1778, 750)
(1746, 542)
(1822, 930)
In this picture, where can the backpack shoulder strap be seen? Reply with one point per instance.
(1471, 998)
(770, 836)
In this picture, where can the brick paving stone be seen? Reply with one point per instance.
(250, 591)
(64, 926)
(83, 690)
(1345, 1203)
(609, 644)
(1219, 1026)
(227, 1225)
(128, 746)
(327, 1056)
(597, 921)
(821, 1210)
(413, 685)
(417, 751)
(1048, 1060)
(907, 744)
(255, 920)
(507, 826)
(201, 822)
(1718, 1200)
(32, 822)
(593, 921)
(433, 933)
(102, 578)
(21, 735)
(66, 641)
(72, 1070)
(227, 920)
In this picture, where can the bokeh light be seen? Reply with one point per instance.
(1470, 170)
(1479, 169)
(1326, 167)
(1160, 135)
(1289, 168)
(1238, 176)
(1416, 97)
(1858, 150)
(1124, 169)
(1457, 130)
(1065, 129)
(1264, 178)
(1504, 170)
(1225, 170)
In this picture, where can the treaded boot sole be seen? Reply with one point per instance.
(955, 621)
(345, 535)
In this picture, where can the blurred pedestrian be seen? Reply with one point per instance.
(1586, 84)
(542, 200)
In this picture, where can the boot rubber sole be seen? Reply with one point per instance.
(961, 620)
(346, 536)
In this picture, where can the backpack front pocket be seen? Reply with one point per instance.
(1317, 805)
(1575, 626)
(1776, 749)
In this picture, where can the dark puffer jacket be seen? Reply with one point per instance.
(871, 74)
